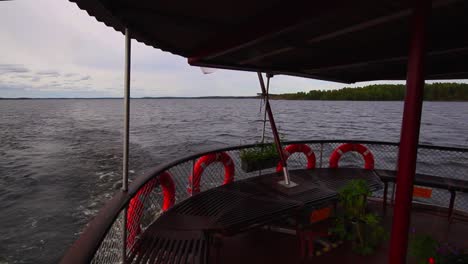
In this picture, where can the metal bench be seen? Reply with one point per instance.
(451, 185)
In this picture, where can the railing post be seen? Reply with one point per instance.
(321, 154)
(452, 203)
(392, 199)
(191, 181)
(385, 198)
(409, 133)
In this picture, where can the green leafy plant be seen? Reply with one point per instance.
(374, 234)
(355, 224)
(259, 157)
(424, 247)
(353, 198)
(259, 152)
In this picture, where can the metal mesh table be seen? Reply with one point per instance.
(182, 233)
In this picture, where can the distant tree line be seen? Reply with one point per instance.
(383, 92)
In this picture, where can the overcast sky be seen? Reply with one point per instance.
(57, 50)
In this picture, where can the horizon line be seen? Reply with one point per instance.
(143, 97)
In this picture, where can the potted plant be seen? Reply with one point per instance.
(355, 224)
(259, 157)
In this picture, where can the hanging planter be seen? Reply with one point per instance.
(259, 157)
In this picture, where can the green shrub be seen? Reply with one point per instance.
(355, 224)
(424, 247)
(259, 153)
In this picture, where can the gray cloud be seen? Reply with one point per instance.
(49, 73)
(23, 76)
(85, 78)
(76, 45)
(12, 68)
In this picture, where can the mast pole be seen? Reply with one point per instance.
(127, 110)
(126, 140)
(287, 182)
(409, 137)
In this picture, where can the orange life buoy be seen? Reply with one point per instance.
(299, 148)
(136, 205)
(203, 162)
(361, 149)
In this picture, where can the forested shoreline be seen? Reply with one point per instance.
(383, 92)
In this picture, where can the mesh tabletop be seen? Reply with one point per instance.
(227, 207)
(258, 198)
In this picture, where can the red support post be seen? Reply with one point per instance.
(409, 133)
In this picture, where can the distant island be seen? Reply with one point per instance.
(383, 92)
(376, 92)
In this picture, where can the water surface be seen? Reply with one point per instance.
(60, 159)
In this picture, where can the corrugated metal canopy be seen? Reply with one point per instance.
(345, 41)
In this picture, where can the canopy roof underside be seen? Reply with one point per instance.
(344, 41)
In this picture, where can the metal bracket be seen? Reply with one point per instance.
(287, 185)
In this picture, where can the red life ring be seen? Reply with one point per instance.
(365, 152)
(299, 148)
(203, 162)
(136, 205)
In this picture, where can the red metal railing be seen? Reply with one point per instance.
(101, 241)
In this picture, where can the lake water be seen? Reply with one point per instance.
(60, 159)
